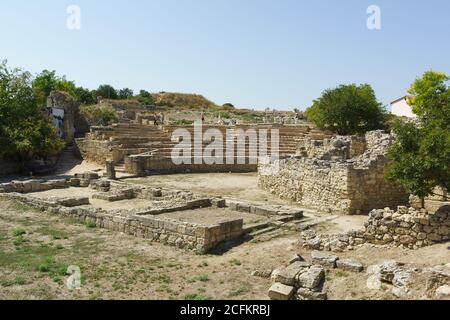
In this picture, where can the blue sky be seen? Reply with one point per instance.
(253, 53)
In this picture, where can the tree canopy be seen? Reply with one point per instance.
(47, 81)
(421, 154)
(107, 91)
(125, 93)
(25, 131)
(348, 109)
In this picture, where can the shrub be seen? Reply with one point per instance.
(99, 114)
(348, 109)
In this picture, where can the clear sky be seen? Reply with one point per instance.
(253, 53)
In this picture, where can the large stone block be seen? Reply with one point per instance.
(279, 291)
(312, 278)
(349, 265)
(289, 274)
(324, 259)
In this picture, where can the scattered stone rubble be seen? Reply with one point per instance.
(409, 282)
(301, 280)
(406, 227)
(298, 281)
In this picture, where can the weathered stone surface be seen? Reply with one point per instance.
(218, 203)
(324, 170)
(312, 278)
(288, 275)
(350, 265)
(324, 259)
(296, 258)
(387, 271)
(74, 182)
(72, 202)
(373, 283)
(279, 291)
(402, 278)
(262, 273)
(443, 292)
(307, 294)
(400, 292)
(110, 170)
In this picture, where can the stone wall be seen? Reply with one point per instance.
(98, 151)
(191, 236)
(38, 185)
(405, 227)
(438, 199)
(142, 165)
(328, 177)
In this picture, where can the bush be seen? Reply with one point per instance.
(421, 154)
(25, 130)
(97, 115)
(348, 109)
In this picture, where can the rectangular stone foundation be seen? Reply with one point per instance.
(191, 236)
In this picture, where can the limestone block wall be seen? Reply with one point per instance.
(191, 236)
(318, 185)
(139, 165)
(434, 202)
(368, 188)
(95, 150)
(406, 227)
(329, 179)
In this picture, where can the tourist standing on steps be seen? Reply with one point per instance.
(203, 117)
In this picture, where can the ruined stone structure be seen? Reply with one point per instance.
(405, 227)
(64, 111)
(338, 175)
(433, 202)
(143, 148)
(159, 217)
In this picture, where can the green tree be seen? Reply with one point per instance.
(228, 106)
(146, 98)
(125, 93)
(107, 91)
(421, 154)
(25, 130)
(47, 81)
(348, 109)
(85, 96)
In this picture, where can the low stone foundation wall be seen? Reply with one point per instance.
(191, 236)
(406, 227)
(28, 186)
(263, 210)
(143, 165)
(38, 185)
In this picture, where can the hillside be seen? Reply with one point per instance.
(183, 100)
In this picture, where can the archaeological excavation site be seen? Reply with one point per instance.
(275, 209)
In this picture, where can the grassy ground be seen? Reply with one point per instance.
(36, 250)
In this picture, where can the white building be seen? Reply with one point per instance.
(401, 108)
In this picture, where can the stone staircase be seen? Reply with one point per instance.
(67, 160)
(122, 140)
